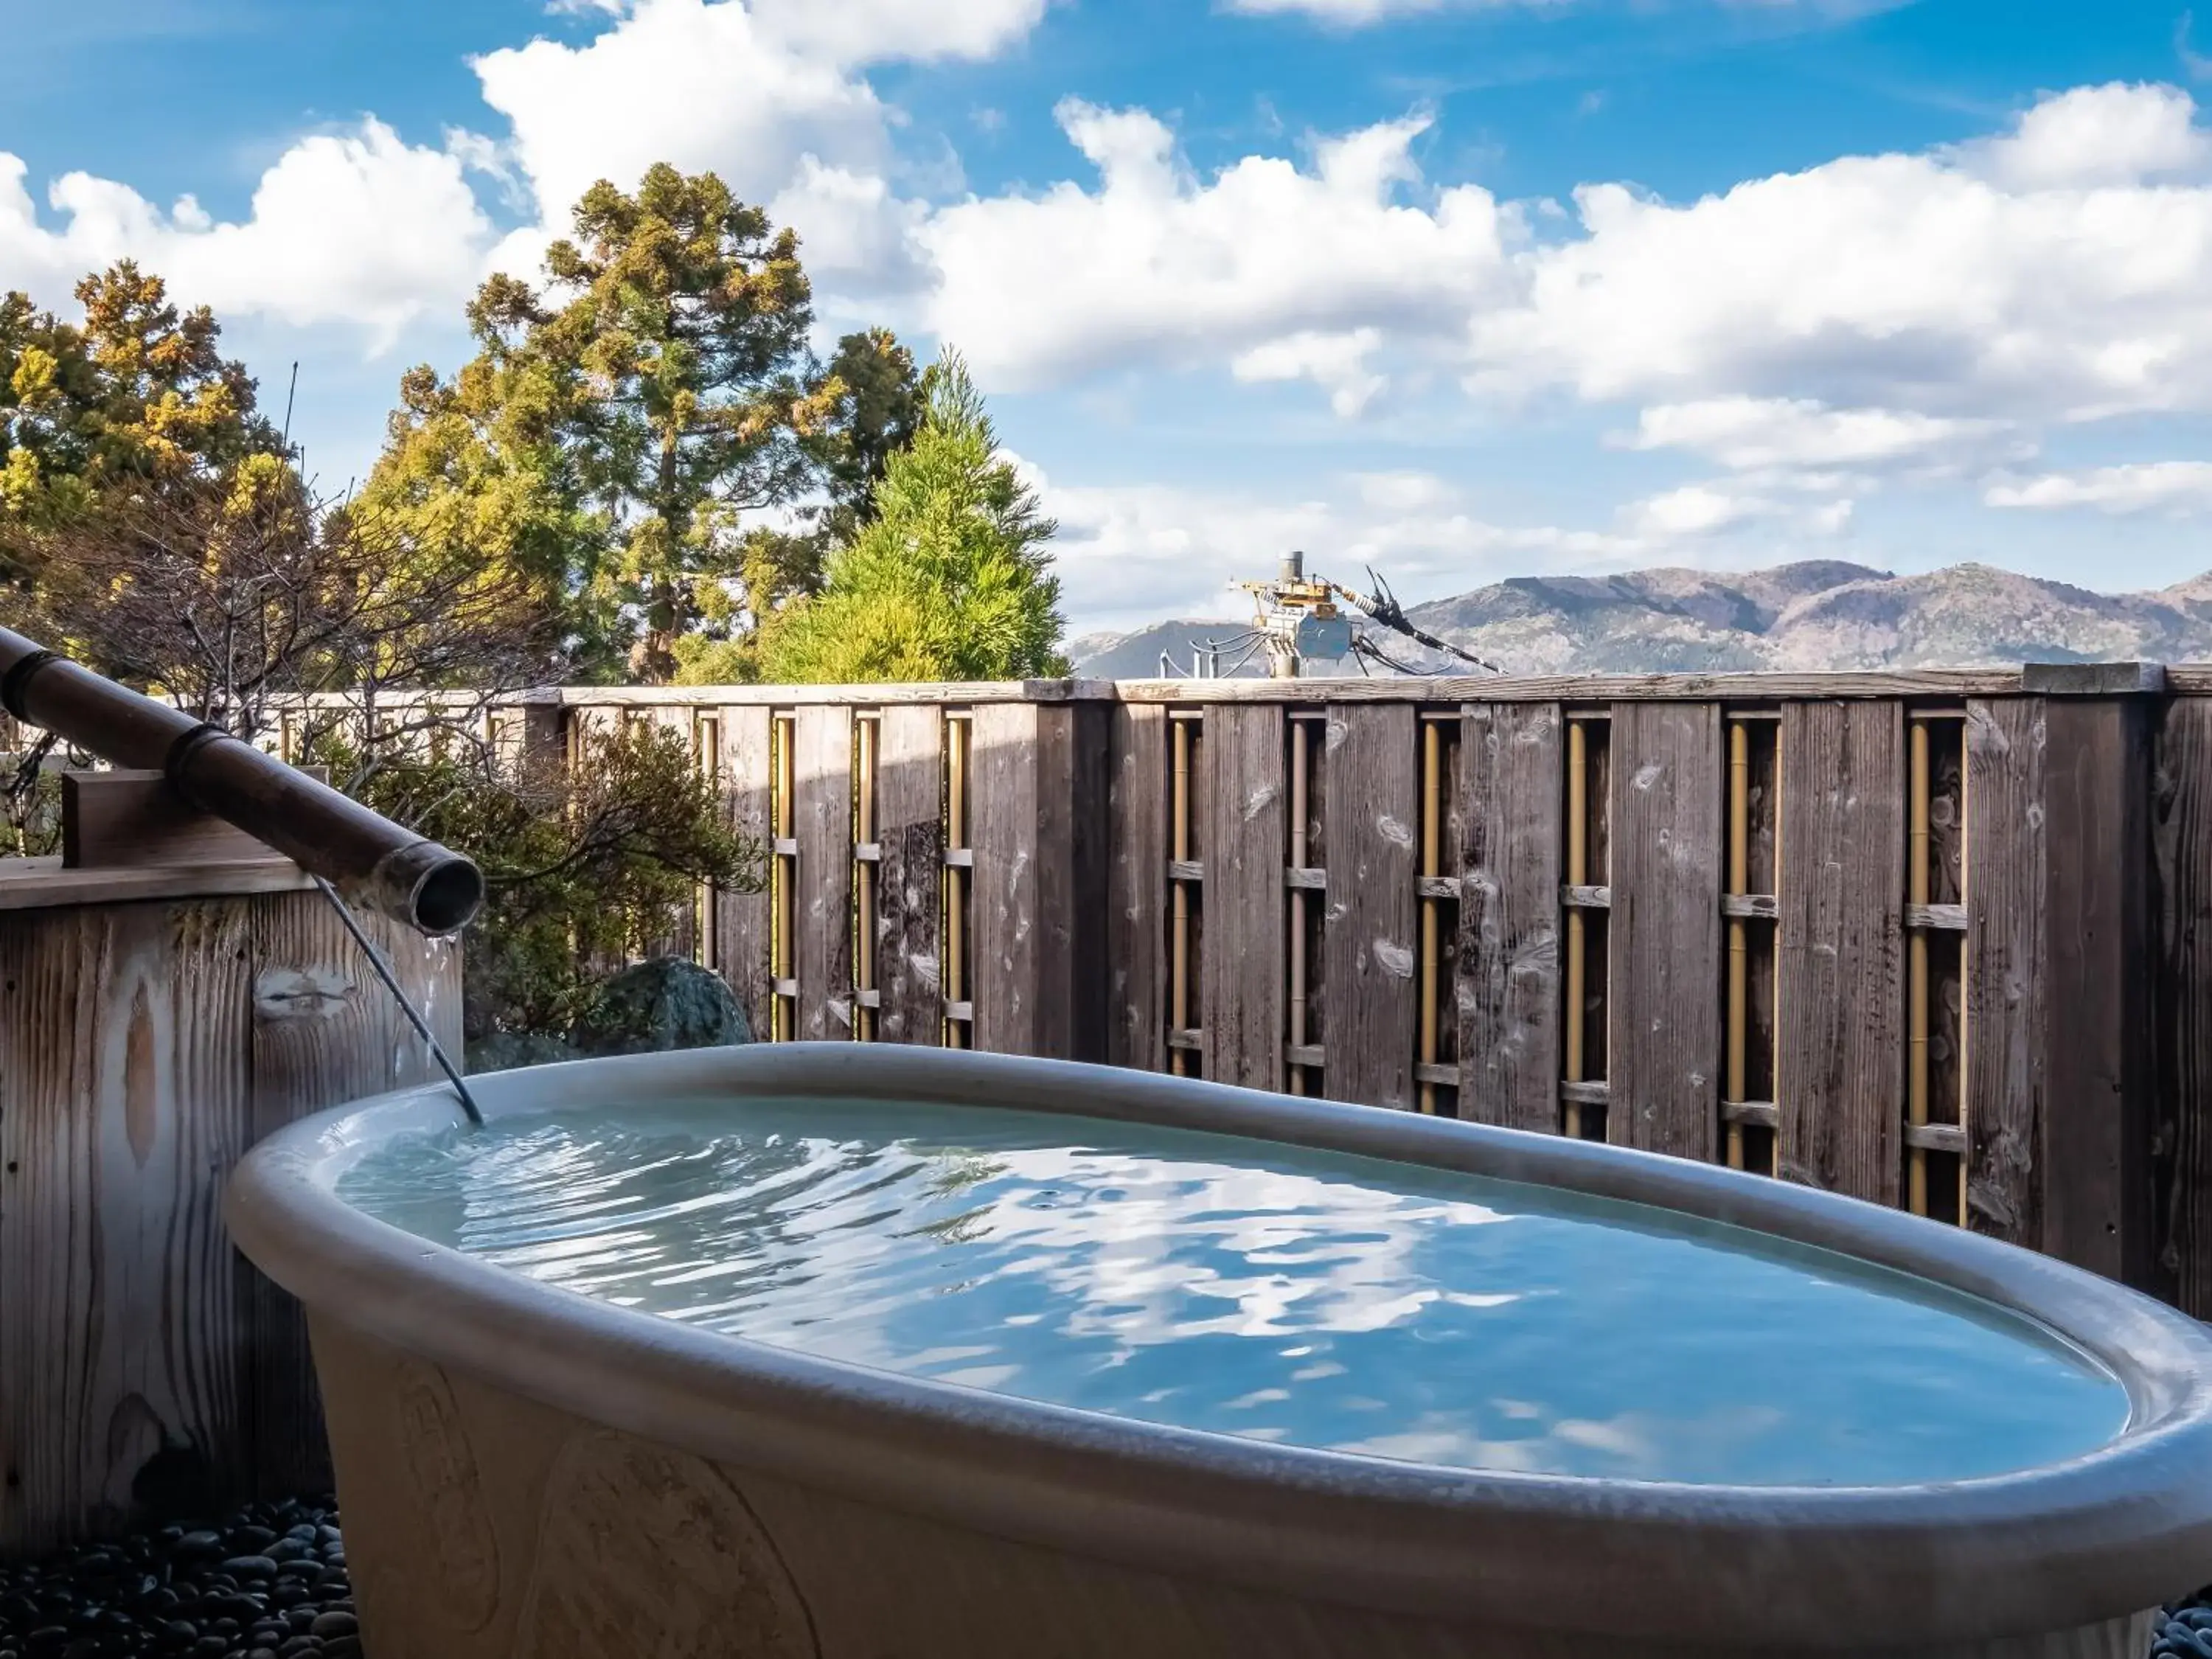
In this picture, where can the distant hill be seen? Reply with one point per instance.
(1819, 615)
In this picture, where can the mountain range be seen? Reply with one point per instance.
(1814, 615)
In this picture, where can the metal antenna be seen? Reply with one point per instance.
(289, 396)
(406, 1006)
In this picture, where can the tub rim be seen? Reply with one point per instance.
(2110, 1532)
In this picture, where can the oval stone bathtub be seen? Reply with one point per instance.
(872, 1353)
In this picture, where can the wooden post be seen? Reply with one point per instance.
(1136, 937)
(910, 831)
(2183, 803)
(1510, 871)
(742, 932)
(822, 742)
(1372, 792)
(153, 1029)
(1242, 987)
(1666, 927)
(2099, 1044)
(1841, 1060)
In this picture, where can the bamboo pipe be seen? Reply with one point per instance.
(1739, 957)
(1431, 855)
(1300, 850)
(1179, 957)
(1916, 972)
(956, 734)
(405, 876)
(783, 916)
(1578, 876)
(864, 878)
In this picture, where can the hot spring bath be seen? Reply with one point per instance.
(867, 1352)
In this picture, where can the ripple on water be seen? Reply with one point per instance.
(1250, 1288)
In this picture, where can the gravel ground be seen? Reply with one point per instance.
(270, 1582)
(267, 1582)
(2187, 1631)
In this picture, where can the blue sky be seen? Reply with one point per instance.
(1465, 288)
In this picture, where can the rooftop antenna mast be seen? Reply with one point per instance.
(1298, 620)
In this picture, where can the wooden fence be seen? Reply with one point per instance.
(1939, 941)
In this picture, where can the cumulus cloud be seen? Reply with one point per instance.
(2177, 487)
(2006, 281)
(1285, 271)
(1131, 553)
(354, 227)
(1764, 434)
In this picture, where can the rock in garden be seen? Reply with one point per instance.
(666, 1003)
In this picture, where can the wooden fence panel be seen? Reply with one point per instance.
(823, 751)
(744, 924)
(2004, 956)
(2184, 832)
(1003, 823)
(1666, 847)
(1511, 867)
(910, 877)
(1840, 1042)
(125, 1098)
(1242, 989)
(1371, 925)
(2098, 1043)
(1136, 918)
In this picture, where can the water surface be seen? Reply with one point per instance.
(1250, 1288)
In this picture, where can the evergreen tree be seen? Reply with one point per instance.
(110, 413)
(951, 580)
(612, 441)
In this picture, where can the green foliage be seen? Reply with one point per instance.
(950, 580)
(136, 398)
(584, 865)
(610, 442)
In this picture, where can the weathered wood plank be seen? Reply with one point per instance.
(1666, 766)
(2098, 1055)
(2183, 839)
(743, 925)
(1076, 845)
(2004, 1081)
(324, 1030)
(1242, 989)
(124, 1313)
(822, 783)
(911, 874)
(131, 819)
(1371, 921)
(41, 884)
(1507, 987)
(1840, 1067)
(1007, 966)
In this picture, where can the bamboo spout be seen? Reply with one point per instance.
(405, 876)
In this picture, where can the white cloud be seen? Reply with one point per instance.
(855, 32)
(1994, 284)
(2108, 135)
(699, 85)
(1335, 363)
(352, 227)
(1278, 270)
(1697, 511)
(2177, 487)
(1756, 434)
(1128, 554)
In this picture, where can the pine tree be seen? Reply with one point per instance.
(951, 580)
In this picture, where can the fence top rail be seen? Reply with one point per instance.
(1953, 684)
